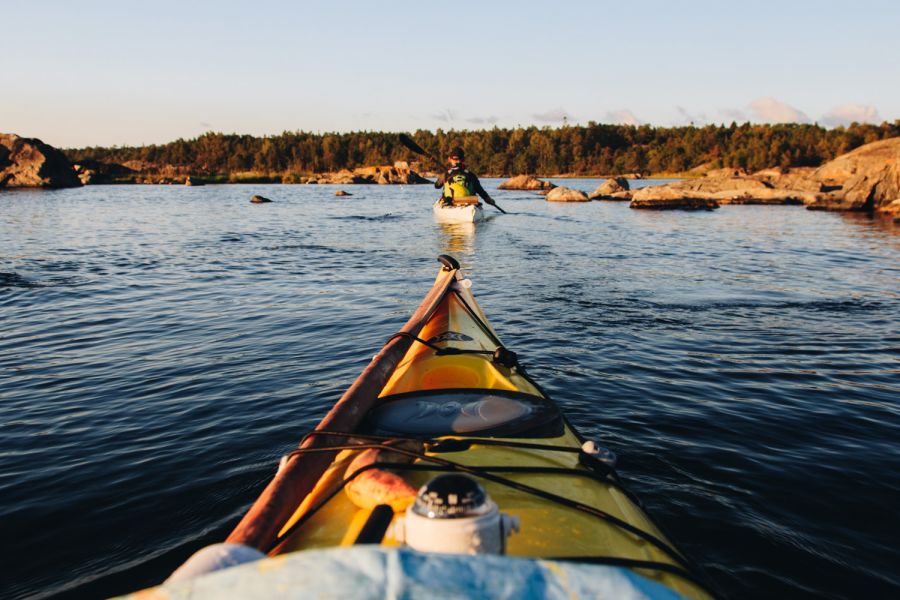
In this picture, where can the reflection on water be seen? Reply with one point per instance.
(457, 239)
(876, 222)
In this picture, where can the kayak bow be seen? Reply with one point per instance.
(444, 408)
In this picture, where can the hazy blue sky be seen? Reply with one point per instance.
(128, 72)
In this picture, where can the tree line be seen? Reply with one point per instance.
(593, 149)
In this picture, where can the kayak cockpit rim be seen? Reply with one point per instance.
(464, 411)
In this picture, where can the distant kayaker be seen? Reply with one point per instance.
(460, 185)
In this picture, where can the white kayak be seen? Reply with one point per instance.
(453, 213)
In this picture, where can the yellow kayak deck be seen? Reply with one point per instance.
(454, 384)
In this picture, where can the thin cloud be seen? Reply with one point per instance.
(491, 120)
(849, 113)
(447, 116)
(691, 119)
(207, 125)
(622, 117)
(770, 110)
(733, 114)
(557, 115)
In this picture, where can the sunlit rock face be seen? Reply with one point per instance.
(869, 177)
(605, 191)
(29, 162)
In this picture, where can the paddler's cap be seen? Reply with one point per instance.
(457, 153)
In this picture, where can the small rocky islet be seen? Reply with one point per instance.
(866, 179)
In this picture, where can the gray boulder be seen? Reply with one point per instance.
(564, 194)
(29, 162)
(611, 186)
(526, 182)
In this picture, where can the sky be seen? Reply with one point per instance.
(103, 73)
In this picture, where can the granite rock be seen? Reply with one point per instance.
(29, 162)
(564, 194)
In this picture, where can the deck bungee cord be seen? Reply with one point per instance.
(486, 472)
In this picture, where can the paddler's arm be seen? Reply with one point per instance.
(439, 183)
(480, 190)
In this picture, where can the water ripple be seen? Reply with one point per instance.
(162, 346)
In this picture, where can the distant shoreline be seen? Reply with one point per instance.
(295, 179)
(595, 150)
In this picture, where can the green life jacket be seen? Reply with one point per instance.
(458, 184)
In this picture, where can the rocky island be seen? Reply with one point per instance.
(866, 178)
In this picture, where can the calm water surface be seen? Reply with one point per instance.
(162, 347)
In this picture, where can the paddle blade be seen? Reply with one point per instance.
(409, 143)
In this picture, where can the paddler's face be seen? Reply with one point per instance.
(454, 161)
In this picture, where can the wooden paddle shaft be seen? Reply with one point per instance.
(260, 526)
